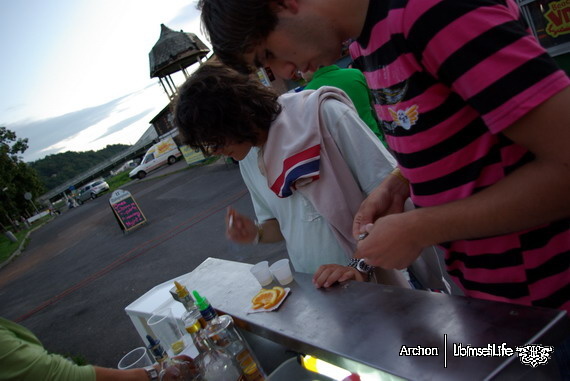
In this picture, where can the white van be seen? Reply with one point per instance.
(164, 152)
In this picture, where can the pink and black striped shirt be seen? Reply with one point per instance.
(447, 77)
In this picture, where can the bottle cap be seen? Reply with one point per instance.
(181, 290)
(201, 303)
(155, 347)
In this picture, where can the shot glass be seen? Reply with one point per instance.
(166, 329)
(261, 272)
(281, 270)
(137, 358)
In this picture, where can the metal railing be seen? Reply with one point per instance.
(99, 169)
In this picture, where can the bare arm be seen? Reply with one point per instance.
(181, 368)
(109, 374)
(532, 195)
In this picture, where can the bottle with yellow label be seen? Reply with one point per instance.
(193, 320)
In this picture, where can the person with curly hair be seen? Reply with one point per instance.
(307, 159)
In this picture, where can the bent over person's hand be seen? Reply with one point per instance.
(327, 275)
(239, 228)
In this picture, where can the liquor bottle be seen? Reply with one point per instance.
(205, 308)
(188, 371)
(192, 314)
(224, 335)
(215, 363)
(157, 350)
(221, 330)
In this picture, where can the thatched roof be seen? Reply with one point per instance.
(174, 51)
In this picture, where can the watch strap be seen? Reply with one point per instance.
(151, 372)
(362, 266)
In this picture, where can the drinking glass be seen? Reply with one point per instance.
(166, 329)
(137, 358)
(282, 271)
(261, 272)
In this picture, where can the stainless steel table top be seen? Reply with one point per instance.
(364, 327)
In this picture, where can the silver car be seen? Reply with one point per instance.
(92, 190)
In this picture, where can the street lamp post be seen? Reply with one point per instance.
(28, 196)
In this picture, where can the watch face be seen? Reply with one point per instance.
(363, 267)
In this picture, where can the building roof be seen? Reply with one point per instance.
(174, 51)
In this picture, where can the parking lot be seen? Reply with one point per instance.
(71, 284)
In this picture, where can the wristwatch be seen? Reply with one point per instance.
(362, 266)
(151, 372)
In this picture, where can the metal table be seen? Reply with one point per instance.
(367, 328)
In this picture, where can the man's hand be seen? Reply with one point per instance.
(180, 368)
(393, 242)
(327, 275)
(239, 228)
(387, 198)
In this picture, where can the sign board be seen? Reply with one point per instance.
(191, 155)
(126, 210)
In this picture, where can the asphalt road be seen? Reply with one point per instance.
(71, 284)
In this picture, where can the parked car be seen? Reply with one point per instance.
(162, 153)
(92, 190)
(124, 167)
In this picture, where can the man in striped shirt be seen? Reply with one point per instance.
(475, 112)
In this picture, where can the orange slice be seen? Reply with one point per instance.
(280, 290)
(265, 297)
(280, 295)
(257, 306)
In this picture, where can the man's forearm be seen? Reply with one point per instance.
(532, 195)
(109, 374)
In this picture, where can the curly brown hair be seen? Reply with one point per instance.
(218, 104)
(235, 27)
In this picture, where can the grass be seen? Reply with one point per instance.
(7, 247)
(118, 180)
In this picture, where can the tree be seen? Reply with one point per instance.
(59, 168)
(16, 178)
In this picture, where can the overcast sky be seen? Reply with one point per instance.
(75, 73)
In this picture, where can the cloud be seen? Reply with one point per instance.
(125, 123)
(121, 120)
(47, 132)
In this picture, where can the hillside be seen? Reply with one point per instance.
(55, 169)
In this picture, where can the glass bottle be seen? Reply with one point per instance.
(224, 334)
(205, 308)
(221, 330)
(215, 363)
(188, 372)
(157, 350)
